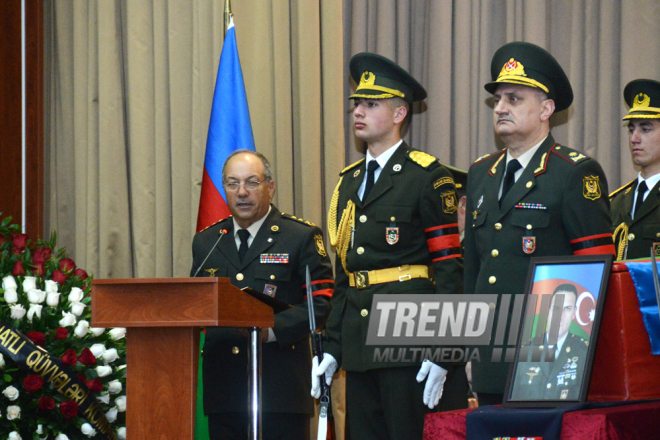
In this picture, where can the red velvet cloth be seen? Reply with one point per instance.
(628, 422)
(624, 368)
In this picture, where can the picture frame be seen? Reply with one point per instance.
(565, 296)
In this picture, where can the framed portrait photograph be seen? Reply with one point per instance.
(564, 300)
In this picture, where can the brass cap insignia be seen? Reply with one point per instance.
(641, 100)
(512, 67)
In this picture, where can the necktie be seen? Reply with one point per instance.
(641, 189)
(509, 178)
(243, 234)
(372, 166)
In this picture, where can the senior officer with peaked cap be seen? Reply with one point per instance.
(636, 206)
(535, 198)
(392, 218)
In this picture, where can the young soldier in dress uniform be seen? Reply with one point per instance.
(392, 220)
(534, 198)
(560, 378)
(636, 206)
(268, 251)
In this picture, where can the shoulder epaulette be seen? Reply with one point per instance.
(569, 154)
(627, 185)
(298, 219)
(219, 221)
(422, 159)
(350, 167)
(486, 156)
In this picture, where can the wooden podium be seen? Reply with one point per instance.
(162, 344)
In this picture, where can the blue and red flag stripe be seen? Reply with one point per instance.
(443, 241)
(593, 245)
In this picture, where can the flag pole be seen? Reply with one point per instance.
(228, 15)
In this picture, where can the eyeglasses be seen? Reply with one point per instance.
(250, 185)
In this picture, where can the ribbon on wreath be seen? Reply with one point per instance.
(36, 360)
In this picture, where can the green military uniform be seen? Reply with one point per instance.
(558, 206)
(634, 238)
(406, 224)
(275, 265)
(558, 380)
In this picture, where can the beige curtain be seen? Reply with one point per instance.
(129, 89)
(448, 46)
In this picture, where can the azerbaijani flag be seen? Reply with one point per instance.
(230, 129)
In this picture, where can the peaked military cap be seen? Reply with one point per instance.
(379, 78)
(643, 98)
(530, 65)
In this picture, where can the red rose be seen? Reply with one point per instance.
(32, 383)
(46, 403)
(19, 240)
(61, 333)
(69, 358)
(41, 255)
(37, 337)
(95, 385)
(58, 276)
(80, 274)
(18, 269)
(82, 377)
(69, 409)
(41, 268)
(16, 251)
(67, 265)
(87, 358)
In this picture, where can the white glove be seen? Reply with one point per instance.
(328, 367)
(435, 382)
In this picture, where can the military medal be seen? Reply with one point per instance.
(392, 234)
(529, 245)
(211, 271)
(656, 249)
(269, 290)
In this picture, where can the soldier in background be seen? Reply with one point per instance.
(636, 206)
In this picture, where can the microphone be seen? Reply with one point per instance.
(221, 234)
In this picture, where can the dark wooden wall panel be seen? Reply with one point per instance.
(11, 113)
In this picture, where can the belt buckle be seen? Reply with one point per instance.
(361, 279)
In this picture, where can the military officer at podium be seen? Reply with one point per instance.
(534, 198)
(393, 221)
(268, 251)
(636, 206)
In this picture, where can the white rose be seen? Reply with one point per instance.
(34, 309)
(103, 370)
(68, 320)
(76, 294)
(36, 296)
(114, 387)
(120, 403)
(17, 311)
(77, 308)
(105, 398)
(61, 437)
(53, 298)
(111, 415)
(97, 331)
(40, 429)
(29, 283)
(117, 333)
(121, 433)
(11, 296)
(110, 355)
(81, 329)
(13, 412)
(97, 349)
(14, 436)
(87, 429)
(51, 286)
(122, 367)
(9, 282)
(11, 393)
(2, 360)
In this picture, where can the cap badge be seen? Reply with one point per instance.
(367, 79)
(513, 67)
(641, 100)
